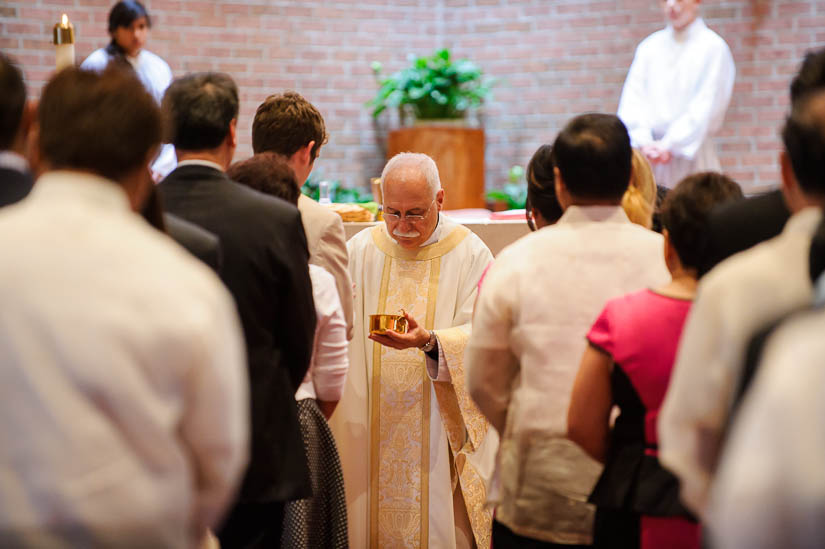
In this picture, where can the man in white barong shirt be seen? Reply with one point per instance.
(535, 307)
(125, 407)
(676, 93)
(415, 451)
(742, 295)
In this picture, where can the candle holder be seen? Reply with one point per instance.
(63, 40)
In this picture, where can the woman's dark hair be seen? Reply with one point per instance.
(269, 173)
(686, 209)
(541, 188)
(123, 14)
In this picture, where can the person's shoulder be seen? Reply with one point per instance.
(713, 37)
(317, 212)
(515, 252)
(632, 300)
(96, 61)
(156, 60)
(653, 40)
(160, 253)
(273, 211)
(752, 268)
(259, 201)
(475, 243)
(631, 237)
(361, 238)
(646, 235)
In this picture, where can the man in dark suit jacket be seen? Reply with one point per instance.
(15, 121)
(197, 240)
(265, 266)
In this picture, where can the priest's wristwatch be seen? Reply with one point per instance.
(430, 345)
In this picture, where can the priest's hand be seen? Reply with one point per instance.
(416, 336)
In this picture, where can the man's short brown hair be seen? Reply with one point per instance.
(102, 123)
(286, 122)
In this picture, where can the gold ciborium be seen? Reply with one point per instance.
(381, 323)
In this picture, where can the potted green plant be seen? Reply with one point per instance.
(513, 195)
(434, 87)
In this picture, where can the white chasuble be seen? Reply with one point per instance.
(407, 440)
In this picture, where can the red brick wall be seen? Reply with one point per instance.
(555, 58)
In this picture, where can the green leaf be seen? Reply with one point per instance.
(435, 86)
(515, 174)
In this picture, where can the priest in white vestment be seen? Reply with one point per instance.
(415, 450)
(676, 93)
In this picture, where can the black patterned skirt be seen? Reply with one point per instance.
(319, 521)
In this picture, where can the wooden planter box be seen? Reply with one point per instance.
(459, 154)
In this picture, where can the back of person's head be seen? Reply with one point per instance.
(639, 200)
(593, 155)
(804, 138)
(285, 123)
(811, 75)
(12, 101)
(106, 123)
(541, 189)
(686, 209)
(198, 110)
(269, 173)
(124, 13)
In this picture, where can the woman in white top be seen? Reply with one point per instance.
(129, 25)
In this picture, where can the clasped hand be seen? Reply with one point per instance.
(416, 336)
(656, 153)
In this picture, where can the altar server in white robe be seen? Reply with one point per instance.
(415, 450)
(676, 93)
(129, 24)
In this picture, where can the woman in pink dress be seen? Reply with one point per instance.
(632, 347)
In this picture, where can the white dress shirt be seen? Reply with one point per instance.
(676, 92)
(125, 407)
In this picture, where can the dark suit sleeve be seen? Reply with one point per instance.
(298, 308)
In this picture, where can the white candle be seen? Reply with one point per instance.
(64, 43)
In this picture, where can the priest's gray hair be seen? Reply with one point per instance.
(419, 162)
